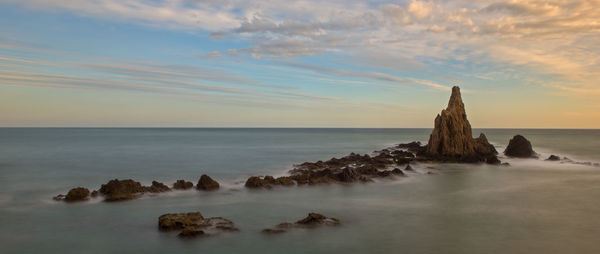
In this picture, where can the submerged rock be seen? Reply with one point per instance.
(408, 168)
(318, 219)
(59, 197)
(182, 185)
(311, 221)
(519, 147)
(452, 138)
(206, 183)
(77, 194)
(553, 158)
(193, 224)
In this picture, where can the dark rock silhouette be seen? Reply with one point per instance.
(118, 190)
(452, 139)
(206, 183)
(182, 185)
(519, 147)
(77, 194)
(157, 187)
(553, 158)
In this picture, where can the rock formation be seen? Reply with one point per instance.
(118, 190)
(77, 194)
(157, 187)
(182, 185)
(452, 138)
(311, 221)
(519, 147)
(193, 224)
(206, 183)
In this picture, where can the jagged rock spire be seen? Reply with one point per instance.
(452, 138)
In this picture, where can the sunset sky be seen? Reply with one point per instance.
(280, 63)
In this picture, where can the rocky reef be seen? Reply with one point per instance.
(193, 224)
(121, 190)
(452, 140)
(311, 221)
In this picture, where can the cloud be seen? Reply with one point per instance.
(548, 37)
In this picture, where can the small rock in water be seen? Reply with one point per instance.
(193, 224)
(77, 194)
(157, 187)
(553, 158)
(182, 185)
(119, 190)
(408, 168)
(272, 231)
(519, 147)
(312, 220)
(206, 183)
(59, 197)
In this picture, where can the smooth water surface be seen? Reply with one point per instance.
(533, 206)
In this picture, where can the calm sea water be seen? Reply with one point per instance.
(533, 206)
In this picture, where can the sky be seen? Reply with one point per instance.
(284, 63)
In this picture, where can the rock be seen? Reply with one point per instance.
(193, 224)
(77, 194)
(452, 138)
(255, 182)
(118, 190)
(189, 232)
(483, 147)
(493, 160)
(284, 180)
(178, 221)
(182, 185)
(59, 197)
(397, 171)
(553, 158)
(414, 146)
(94, 194)
(206, 183)
(157, 187)
(519, 147)
(317, 219)
(272, 231)
(348, 175)
(408, 168)
(312, 220)
(384, 173)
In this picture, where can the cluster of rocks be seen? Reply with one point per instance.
(348, 169)
(193, 224)
(119, 190)
(311, 221)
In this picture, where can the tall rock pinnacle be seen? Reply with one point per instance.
(452, 139)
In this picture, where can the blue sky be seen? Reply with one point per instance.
(298, 63)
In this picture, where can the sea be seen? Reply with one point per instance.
(531, 206)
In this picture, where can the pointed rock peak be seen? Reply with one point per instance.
(455, 100)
